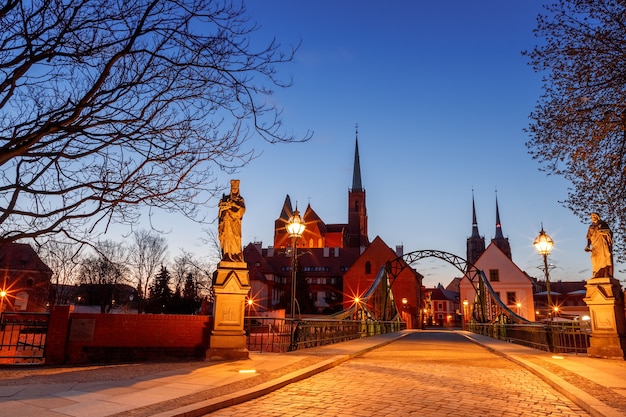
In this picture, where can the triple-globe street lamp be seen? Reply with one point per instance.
(544, 244)
(295, 228)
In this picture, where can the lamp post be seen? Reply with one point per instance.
(357, 301)
(544, 244)
(249, 304)
(465, 315)
(295, 227)
(3, 294)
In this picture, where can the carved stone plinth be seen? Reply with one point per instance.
(608, 329)
(228, 339)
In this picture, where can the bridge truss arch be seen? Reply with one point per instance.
(487, 306)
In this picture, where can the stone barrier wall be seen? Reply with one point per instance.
(75, 338)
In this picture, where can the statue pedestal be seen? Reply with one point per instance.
(228, 339)
(608, 329)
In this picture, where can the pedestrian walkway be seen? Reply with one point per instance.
(197, 388)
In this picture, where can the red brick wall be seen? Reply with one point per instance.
(106, 338)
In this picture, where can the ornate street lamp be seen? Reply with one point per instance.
(3, 295)
(544, 244)
(295, 227)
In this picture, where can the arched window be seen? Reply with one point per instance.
(21, 301)
(368, 267)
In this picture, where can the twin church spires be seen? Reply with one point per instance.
(476, 243)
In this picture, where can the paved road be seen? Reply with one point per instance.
(423, 374)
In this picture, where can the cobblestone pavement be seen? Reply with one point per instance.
(423, 374)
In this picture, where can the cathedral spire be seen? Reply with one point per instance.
(357, 211)
(499, 234)
(499, 240)
(356, 175)
(474, 221)
(475, 243)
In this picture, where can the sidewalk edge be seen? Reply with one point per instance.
(227, 400)
(590, 404)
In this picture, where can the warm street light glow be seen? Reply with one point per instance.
(543, 243)
(3, 295)
(295, 227)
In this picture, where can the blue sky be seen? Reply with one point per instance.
(441, 94)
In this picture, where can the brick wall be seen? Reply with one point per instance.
(108, 338)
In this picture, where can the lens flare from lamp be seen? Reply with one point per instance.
(543, 243)
(295, 227)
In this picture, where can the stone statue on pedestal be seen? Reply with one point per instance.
(231, 210)
(231, 282)
(604, 295)
(600, 244)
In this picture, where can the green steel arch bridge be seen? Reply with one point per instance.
(377, 303)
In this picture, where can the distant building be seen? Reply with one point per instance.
(513, 286)
(567, 296)
(441, 307)
(406, 288)
(326, 252)
(24, 277)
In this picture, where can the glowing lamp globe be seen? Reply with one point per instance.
(543, 243)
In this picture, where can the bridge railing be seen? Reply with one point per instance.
(23, 337)
(557, 337)
(283, 335)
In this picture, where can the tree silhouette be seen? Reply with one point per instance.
(578, 128)
(107, 106)
(160, 293)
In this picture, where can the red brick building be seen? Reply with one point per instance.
(24, 277)
(326, 252)
(406, 287)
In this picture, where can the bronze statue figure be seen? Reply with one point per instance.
(600, 244)
(231, 210)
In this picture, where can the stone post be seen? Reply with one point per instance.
(228, 339)
(608, 328)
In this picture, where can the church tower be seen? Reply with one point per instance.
(501, 241)
(357, 211)
(475, 243)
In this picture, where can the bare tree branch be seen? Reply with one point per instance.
(578, 128)
(106, 106)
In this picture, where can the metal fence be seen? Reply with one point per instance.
(557, 337)
(283, 335)
(23, 337)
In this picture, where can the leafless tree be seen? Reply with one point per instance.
(147, 255)
(187, 263)
(64, 259)
(578, 128)
(103, 271)
(107, 106)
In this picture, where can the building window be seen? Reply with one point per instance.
(30, 282)
(494, 275)
(440, 306)
(510, 298)
(368, 267)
